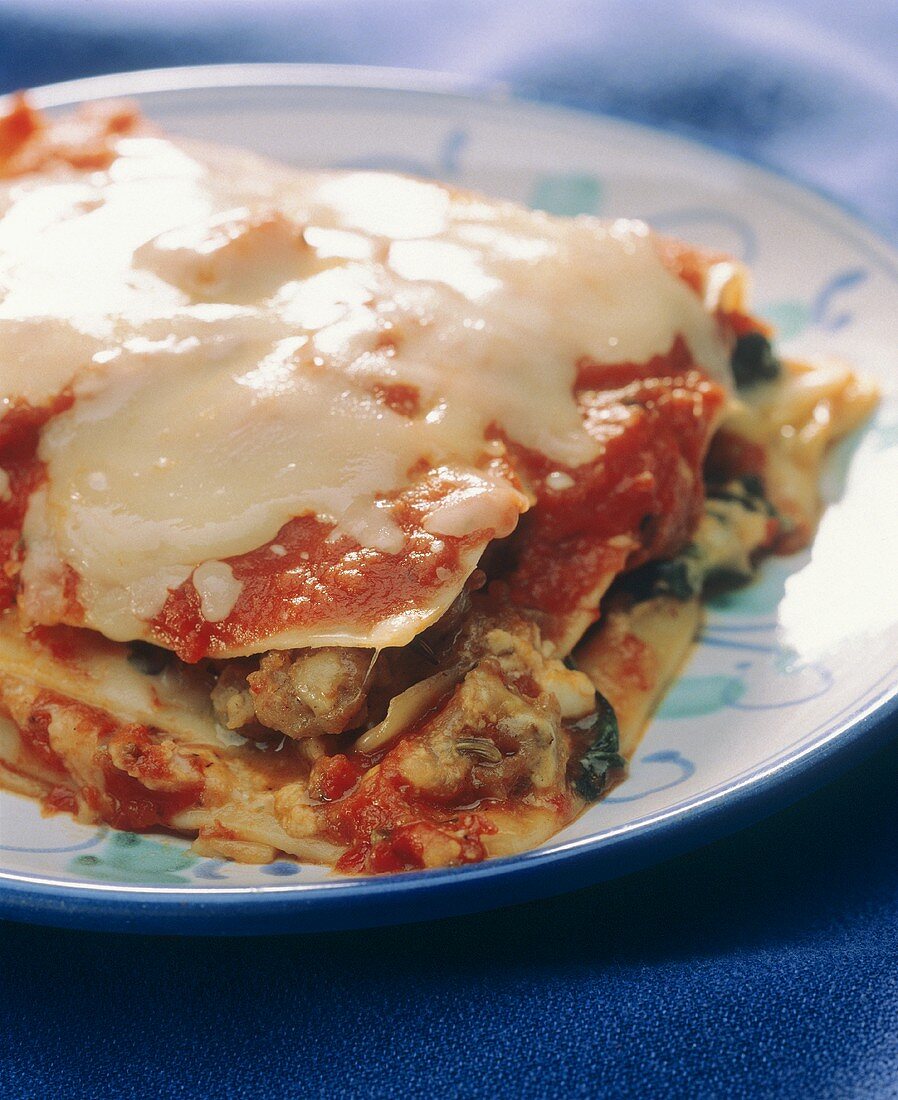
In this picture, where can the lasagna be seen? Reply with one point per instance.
(352, 517)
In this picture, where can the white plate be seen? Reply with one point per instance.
(790, 673)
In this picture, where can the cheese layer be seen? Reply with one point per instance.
(247, 345)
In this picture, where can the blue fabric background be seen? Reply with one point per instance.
(763, 965)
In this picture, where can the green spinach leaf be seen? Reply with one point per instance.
(602, 756)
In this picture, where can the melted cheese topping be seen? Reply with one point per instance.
(218, 590)
(229, 328)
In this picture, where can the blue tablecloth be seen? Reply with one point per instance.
(764, 964)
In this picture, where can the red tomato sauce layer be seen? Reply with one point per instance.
(125, 801)
(29, 142)
(20, 425)
(35, 738)
(314, 580)
(385, 823)
(640, 499)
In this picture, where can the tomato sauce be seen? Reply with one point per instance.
(35, 737)
(384, 821)
(127, 804)
(124, 801)
(316, 579)
(398, 396)
(60, 800)
(20, 426)
(640, 499)
(68, 644)
(731, 456)
(17, 127)
(368, 804)
(86, 140)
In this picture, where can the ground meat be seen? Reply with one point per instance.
(300, 693)
(514, 641)
(496, 739)
(497, 651)
(488, 741)
(499, 733)
(231, 700)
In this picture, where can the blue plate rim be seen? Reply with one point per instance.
(413, 896)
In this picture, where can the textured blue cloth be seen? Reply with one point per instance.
(763, 965)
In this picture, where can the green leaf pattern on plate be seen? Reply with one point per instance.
(692, 696)
(567, 194)
(128, 857)
(790, 318)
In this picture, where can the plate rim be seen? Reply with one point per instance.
(411, 896)
(435, 82)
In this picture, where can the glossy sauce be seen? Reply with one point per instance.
(126, 803)
(385, 824)
(35, 736)
(318, 578)
(641, 499)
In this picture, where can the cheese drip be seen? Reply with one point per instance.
(232, 331)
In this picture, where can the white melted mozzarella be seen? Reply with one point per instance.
(218, 590)
(226, 326)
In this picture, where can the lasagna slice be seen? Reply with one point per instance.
(351, 516)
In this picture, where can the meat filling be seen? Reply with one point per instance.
(299, 693)
(505, 697)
